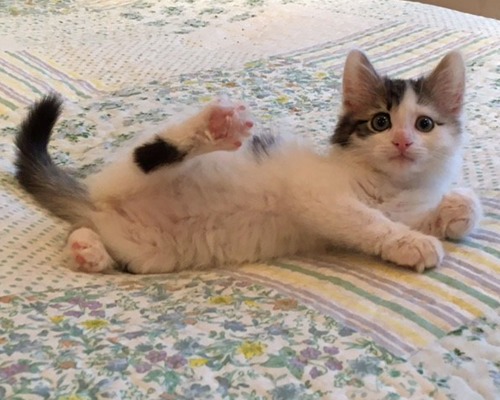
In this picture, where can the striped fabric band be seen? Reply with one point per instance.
(399, 309)
(25, 77)
(398, 49)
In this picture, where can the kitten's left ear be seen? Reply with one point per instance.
(446, 84)
(361, 83)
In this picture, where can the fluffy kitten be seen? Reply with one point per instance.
(176, 201)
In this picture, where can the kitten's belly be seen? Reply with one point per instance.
(215, 228)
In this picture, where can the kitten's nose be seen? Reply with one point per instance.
(402, 143)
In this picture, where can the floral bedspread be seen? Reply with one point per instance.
(333, 326)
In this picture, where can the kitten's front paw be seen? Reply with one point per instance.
(86, 252)
(227, 124)
(413, 249)
(458, 214)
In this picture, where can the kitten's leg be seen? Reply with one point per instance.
(86, 252)
(355, 225)
(457, 215)
(221, 125)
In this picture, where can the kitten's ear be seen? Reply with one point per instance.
(446, 84)
(361, 83)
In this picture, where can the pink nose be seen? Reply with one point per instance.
(402, 144)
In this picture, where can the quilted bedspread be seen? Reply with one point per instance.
(330, 326)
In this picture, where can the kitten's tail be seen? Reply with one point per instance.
(51, 186)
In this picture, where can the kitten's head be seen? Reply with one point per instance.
(403, 128)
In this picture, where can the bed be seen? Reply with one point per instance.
(329, 326)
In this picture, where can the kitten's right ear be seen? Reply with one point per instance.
(446, 84)
(361, 83)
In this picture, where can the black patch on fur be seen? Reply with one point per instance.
(394, 92)
(423, 94)
(347, 126)
(151, 156)
(418, 86)
(260, 145)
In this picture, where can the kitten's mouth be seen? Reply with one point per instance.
(404, 158)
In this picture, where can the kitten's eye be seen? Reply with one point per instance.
(424, 124)
(380, 122)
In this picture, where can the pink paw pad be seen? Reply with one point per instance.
(229, 123)
(86, 252)
(77, 254)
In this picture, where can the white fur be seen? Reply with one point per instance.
(220, 207)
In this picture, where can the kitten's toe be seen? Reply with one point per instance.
(459, 227)
(86, 252)
(413, 249)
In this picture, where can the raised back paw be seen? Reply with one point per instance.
(228, 124)
(458, 214)
(222, 125)
(86, 252)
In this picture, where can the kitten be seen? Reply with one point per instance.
(198, 195)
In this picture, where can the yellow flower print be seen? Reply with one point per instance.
(72, 397)
(282, 99)
(225, 300)
(197, 362)
(252, 349)
(95, 324)
(251, 303)
(57, 319)
(206, 99)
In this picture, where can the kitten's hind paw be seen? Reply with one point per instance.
(413, 249)
(227, 124)
(221, 125)
(87, 253)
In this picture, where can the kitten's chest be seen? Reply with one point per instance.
(403, 209)
(397, 204)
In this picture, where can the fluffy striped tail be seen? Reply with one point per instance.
(50, 185)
